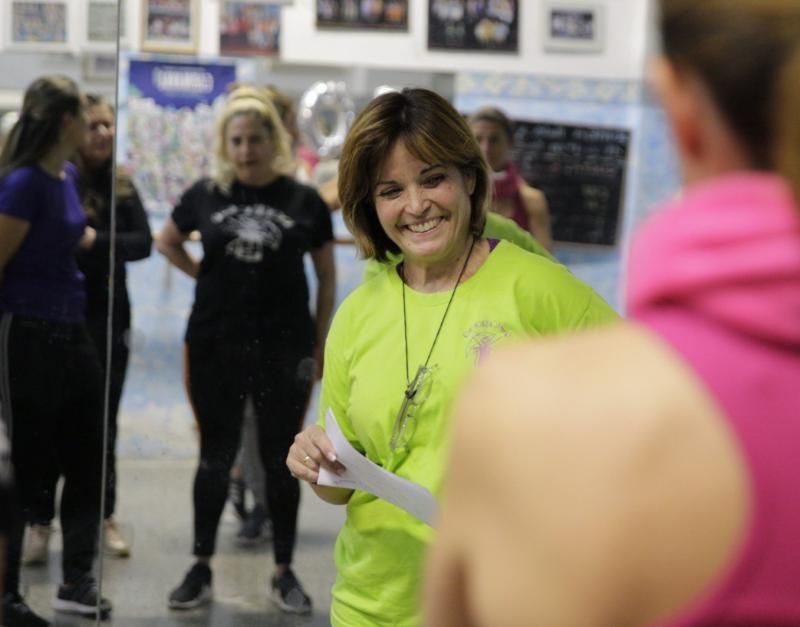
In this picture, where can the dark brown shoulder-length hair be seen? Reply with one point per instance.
(433, 131)
(38, 129)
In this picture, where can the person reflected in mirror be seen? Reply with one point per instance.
(133, 242)
(51, 386)
(250, 333)
(413, 181)
(248, 479)
(513, 197)
(647, 474)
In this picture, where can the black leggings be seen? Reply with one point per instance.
(44, 512)
(52, 402)
(221, 375)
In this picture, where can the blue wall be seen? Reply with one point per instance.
(651, 174)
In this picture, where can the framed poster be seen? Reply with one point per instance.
(573, 27)
(169, 26)
(485, 26)
(249, 28)
(101, 22)
(363, 14)
(40, 25)
(172, 108)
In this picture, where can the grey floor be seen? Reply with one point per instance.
(155, 512)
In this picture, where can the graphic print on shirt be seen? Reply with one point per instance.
(481, 336)
(254, 228)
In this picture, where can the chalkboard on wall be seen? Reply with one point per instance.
(581, 170)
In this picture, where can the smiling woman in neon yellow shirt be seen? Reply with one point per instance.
(413, 182)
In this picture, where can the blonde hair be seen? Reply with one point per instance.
(433, 131)
(747, 52)
(251, 101)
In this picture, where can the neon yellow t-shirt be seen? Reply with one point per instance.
(514, 294)
(496, 227)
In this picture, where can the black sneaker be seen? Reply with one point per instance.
(81, 598)
(288, 594)
(255, 528)
(195, 589)
(16, 613)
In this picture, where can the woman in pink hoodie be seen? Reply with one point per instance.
(647, 474)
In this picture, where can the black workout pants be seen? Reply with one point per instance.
(52, 403)
(221, 375)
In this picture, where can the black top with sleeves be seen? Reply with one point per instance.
(133, 242)
(252, 282)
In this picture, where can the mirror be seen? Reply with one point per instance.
(56, 218)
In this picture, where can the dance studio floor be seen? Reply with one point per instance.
(155, 511)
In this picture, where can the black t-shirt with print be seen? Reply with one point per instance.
(252, 281)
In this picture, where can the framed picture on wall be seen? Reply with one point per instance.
(573, 27)
(170, 26)
(249, 28)
(363, 14)
(492, 25)
(40, 25)
(101, 22)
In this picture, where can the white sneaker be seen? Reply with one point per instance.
(113, 541)
(36, 547)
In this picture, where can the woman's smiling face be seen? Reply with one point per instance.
(424, 208)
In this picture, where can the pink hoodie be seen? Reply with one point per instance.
(717, 276)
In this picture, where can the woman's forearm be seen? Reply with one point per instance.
(180, 258)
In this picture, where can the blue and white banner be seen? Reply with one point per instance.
(170, 115)
(178, 85)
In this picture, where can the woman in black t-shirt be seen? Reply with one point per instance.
(250, 333)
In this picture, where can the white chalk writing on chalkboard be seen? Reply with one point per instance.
(581, 170)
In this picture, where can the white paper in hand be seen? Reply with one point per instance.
(362, 474)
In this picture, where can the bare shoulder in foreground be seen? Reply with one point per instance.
(589, 503)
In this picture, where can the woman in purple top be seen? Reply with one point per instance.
(50, 378)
